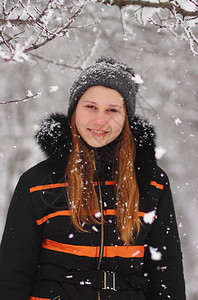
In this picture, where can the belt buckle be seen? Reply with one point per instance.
(109, 280)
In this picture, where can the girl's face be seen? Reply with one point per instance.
(100, 116)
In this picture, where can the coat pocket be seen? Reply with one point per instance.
(45, 290)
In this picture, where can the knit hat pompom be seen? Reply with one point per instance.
(109, 73)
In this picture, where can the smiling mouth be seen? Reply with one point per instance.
(97, 132)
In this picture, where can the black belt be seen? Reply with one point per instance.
(99, 279)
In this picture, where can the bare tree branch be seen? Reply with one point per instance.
(18, 21)
(4, 9)
(28, 97)
(61, 32)
(195, 3)
(26, 26)
(175, 20)
(163, 5)
(57, 63)
(37, 26)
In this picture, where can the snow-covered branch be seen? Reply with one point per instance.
(179, 18)
(28, 97)
(59, 63)
(187, 32)
(26, 26)
(154, 4)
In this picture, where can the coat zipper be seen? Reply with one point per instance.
(102, 223)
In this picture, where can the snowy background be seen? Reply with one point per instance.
(168, 98)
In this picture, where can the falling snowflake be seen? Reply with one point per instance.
(155, 254)
(53, 88)
(159, 152)
(98, 214)
(94, 228)
(177, 121)
(149, 217)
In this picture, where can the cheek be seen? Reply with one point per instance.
(77, 125)
(79, 120)
(118, 123)
(83, 120)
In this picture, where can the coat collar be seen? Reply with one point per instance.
(54, 139)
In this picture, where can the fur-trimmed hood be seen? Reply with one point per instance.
(54, 139)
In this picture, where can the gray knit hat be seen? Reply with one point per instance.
(109, 73)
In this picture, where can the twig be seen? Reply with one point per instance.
(8, 45)
(21, 100)
(17, 21)
(168, 5)
(4, 9)
(166, 26)
(30, 16)
(62, 31)
(196, 4)
(12, 9)
(15, 36)
(55, 62)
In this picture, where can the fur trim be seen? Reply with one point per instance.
(144, 135)
(54, 136)
(54, 139)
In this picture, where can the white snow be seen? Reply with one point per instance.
(159, 152)
(94, 228)
(149, 217)
(177, 121)
(187, 5)
(137, 78)
(53, 88)
(180, 225)
(98, 214)
(46, 18)
(29, 93)
(155, 254)
(19, 55)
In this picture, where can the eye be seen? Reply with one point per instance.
(91, 106)
(112, 110)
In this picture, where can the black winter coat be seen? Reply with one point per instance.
(43, 256)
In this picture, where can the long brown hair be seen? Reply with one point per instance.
(83, 200)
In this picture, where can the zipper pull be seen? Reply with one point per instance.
(94, 161)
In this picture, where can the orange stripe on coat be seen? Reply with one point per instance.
(52, 215)
(106, 182)
(110, 182)
(47, 186)
(93, 251)
(57, 185)
(157, 185)
(107, 212)
(112, 212)
(36, 298)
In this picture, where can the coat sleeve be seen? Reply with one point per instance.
(20, 246)
(165, 272)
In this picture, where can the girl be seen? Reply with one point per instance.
(96, 218)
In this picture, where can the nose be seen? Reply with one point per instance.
(100, 119)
